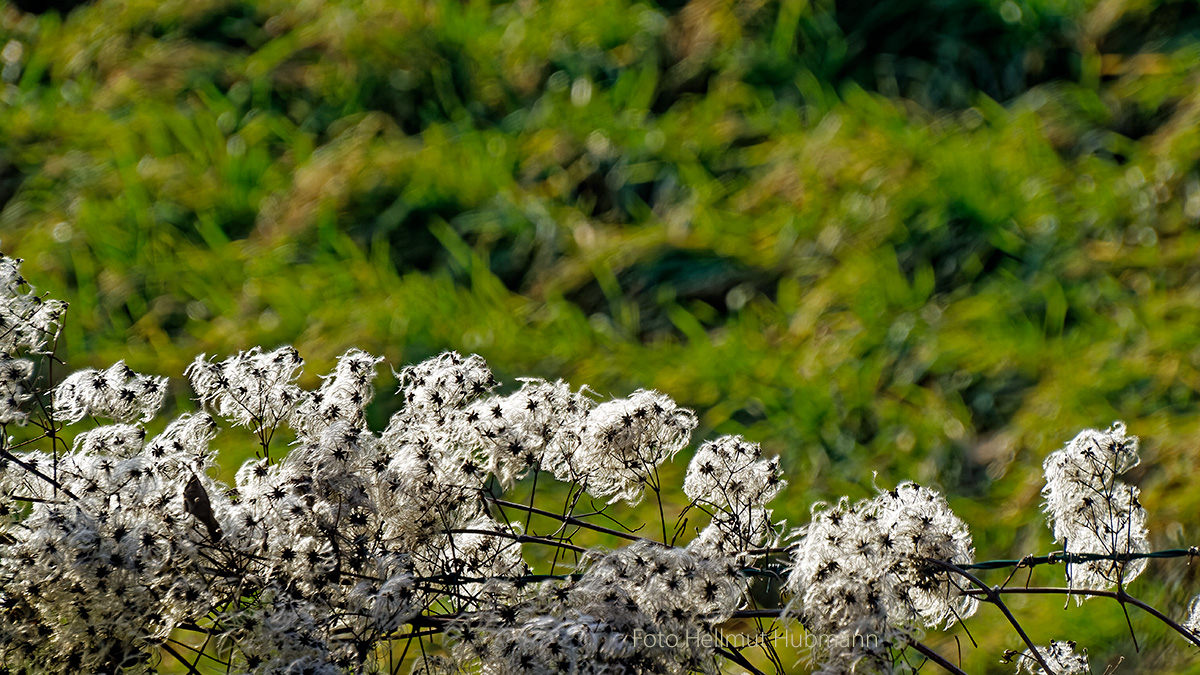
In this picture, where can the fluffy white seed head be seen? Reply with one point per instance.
(1060, 655)
(1192, 622)
(540, 424)
(252, 388)
(444, 382)
(624, 441)
(27, 320)
(730, 534)
(118, 440)
(730, 473)
(14, 390)
(863, 568)
(1091, 511)
(343, 396)
(117, 393)
(184, 443)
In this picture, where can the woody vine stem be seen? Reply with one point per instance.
(414, 548)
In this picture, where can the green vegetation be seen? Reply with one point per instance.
(928, 239)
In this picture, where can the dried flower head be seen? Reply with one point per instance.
(14, 389)
(1091, 511)
(624, 440)
(251, 389)
(343, 396)
(863, 568)
(646, 604)
(117, 393)
(27, 321)
(538, 425)
(1192, 622)
(444, 382)
(731, 472)
(1060, 655)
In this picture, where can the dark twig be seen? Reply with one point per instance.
(937, 658)
(992, 595)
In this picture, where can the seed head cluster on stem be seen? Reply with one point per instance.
(362, 551)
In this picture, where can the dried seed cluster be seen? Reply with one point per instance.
(325, 560)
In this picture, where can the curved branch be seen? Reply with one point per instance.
(926, 651)
(992, 595)
(1119, 596)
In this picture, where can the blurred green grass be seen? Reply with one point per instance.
(916, 239)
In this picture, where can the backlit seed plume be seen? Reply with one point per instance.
(645, 605)
(119, 440)
(1091, 511)
(1193, 618)
(90, 584)
(539, 424)
(1060, 655)
(860, 569)
(444, 382)
(730, 479)
(27, 321)
(184, 444)
(251, 389)
(117, 393)
(14, 390)
(623, 442)
(920, 523)
(731, 534)
(730, 473)
(343, 396)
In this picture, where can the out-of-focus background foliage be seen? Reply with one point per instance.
(917, 239)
